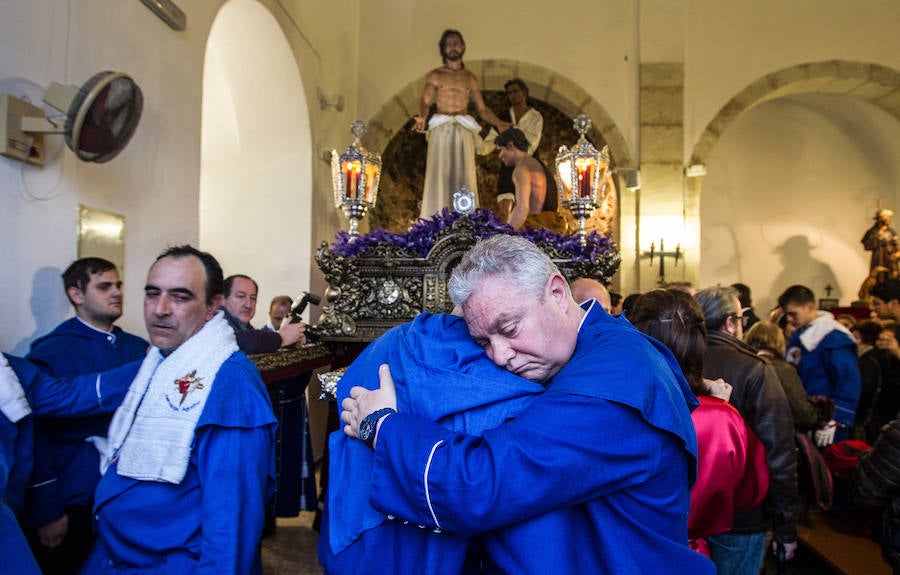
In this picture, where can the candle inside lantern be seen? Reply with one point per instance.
(371, 177)
(351, 180)
(585, 176)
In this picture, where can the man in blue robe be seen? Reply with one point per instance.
(443, 376)
(25, 390)
(593, 476)
(190, 458)
(61, 492)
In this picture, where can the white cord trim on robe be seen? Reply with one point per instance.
(427, 492)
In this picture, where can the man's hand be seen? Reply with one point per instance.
(719, 388)
(364, 401)
(503, 126)
(52, 534)
(887, 340)
(419, 124)
(292, 333)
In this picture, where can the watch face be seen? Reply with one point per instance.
(365, 430)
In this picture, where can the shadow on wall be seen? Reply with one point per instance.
(48, 303)
(800, 267)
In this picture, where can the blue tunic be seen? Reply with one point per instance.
(441, 374)
(48, 397)
(831, 369)
(68, 469)
(593, 477)
(211, 522)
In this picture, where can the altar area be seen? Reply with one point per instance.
(385, 278)
(381, 279)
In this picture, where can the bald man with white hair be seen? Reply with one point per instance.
(584, 289)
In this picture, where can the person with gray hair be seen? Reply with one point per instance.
(615, 415)
(759, 398)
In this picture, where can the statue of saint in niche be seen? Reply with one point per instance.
(882, 241)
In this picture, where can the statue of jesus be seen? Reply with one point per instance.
(452, 133)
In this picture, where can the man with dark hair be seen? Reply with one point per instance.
(743, 293)
(522, 116)
(61, 493)
(759, 398)
(615, 303)
(628, 303)
(452, 133)
(531, 207)
(239, 305)
(615, 416)
(824, 352)
(885, 302)
(186, 475)
(279, 308)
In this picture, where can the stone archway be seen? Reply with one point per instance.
(877, 84)
(256, 151)
(851, 97)
(553, 94)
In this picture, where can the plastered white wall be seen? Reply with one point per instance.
(729, 45)
(591, 42)
(367, 52)
(256, 156)
(792, 187)
(153, 182)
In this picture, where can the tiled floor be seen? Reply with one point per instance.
(291, 550)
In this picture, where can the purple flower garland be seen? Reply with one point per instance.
(421, 235)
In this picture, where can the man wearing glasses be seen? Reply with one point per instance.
(824, 352)
(758, 396)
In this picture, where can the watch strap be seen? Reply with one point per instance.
(372, 420)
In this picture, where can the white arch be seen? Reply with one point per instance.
(256, 154)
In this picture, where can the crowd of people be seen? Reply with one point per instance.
(539, 429)
(542, 427)
(123, 456)
(707, 400)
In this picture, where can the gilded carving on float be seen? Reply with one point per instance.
(382, 279)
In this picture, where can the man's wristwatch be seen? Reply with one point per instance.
(369, 424)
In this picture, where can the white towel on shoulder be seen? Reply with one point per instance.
(13, 404)
(152, 432)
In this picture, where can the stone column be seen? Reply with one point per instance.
(668, 209)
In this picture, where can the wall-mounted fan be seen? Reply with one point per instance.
(100, 118)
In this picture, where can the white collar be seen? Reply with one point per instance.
(109, 334)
